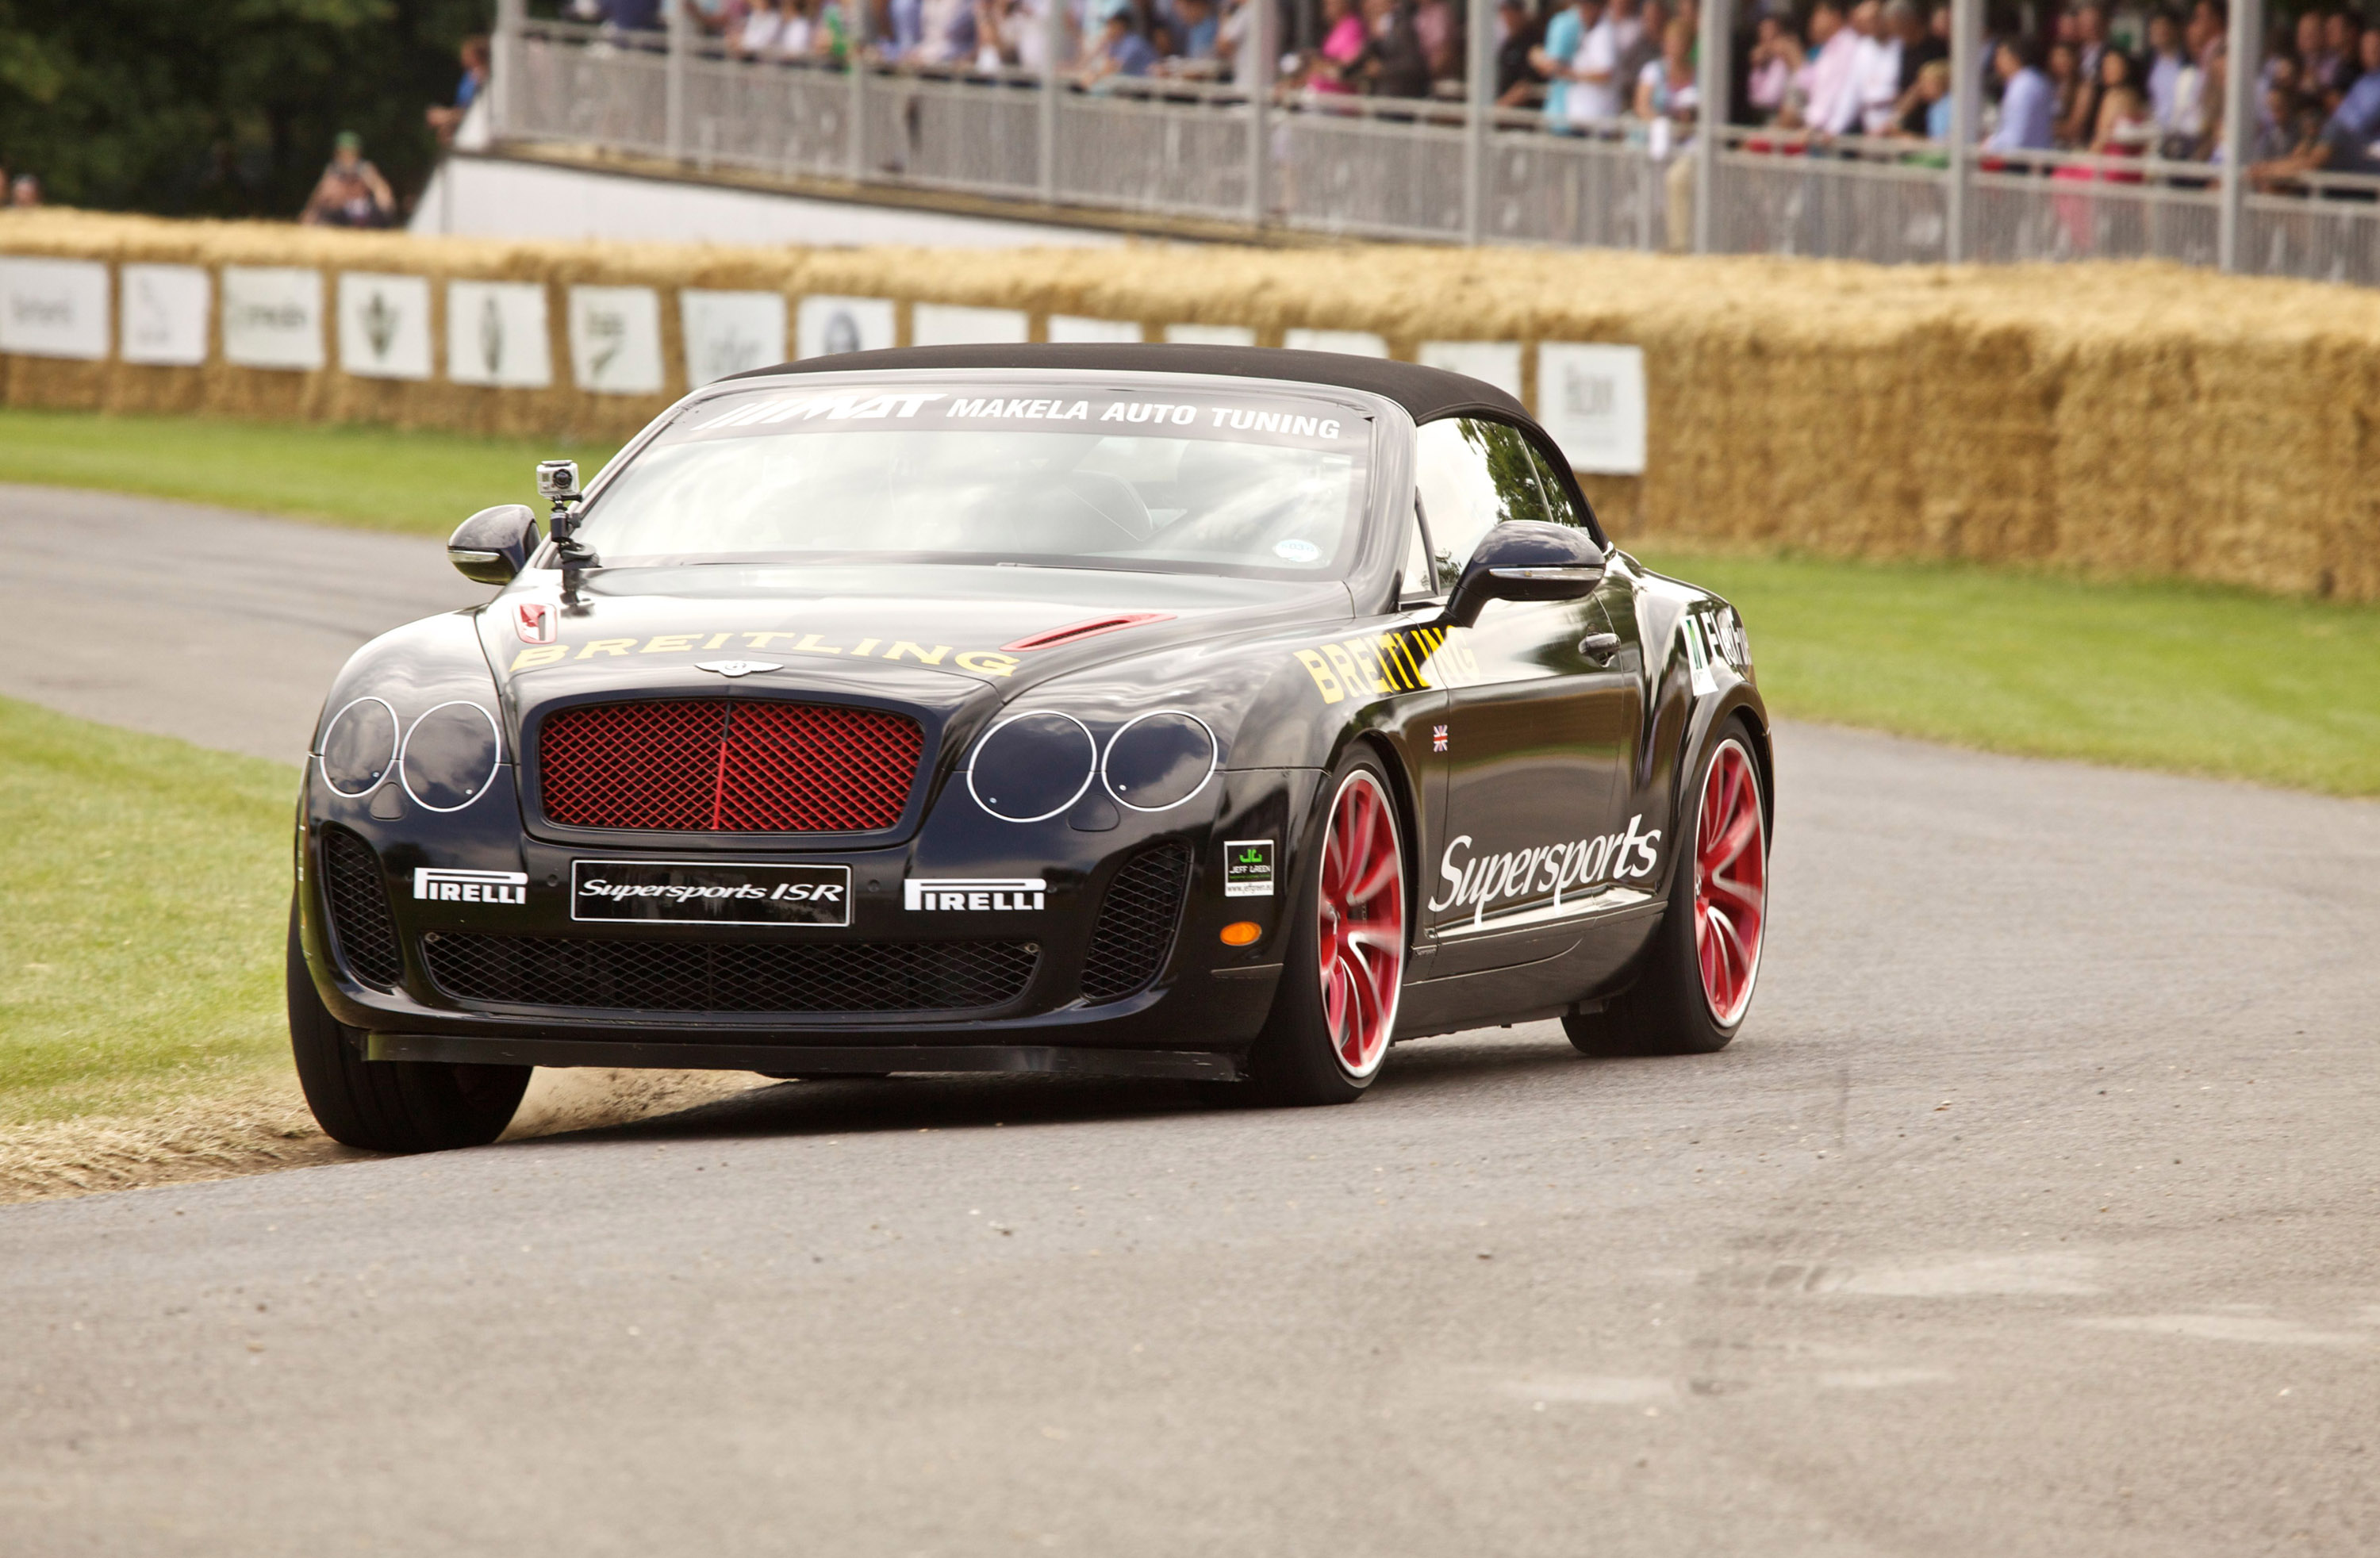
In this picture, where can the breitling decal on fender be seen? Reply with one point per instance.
(983, 663)
(1404, 660)
(1547, 871)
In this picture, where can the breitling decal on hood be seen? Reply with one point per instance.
(983, 663)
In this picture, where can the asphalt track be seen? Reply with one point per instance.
(2035, 1212)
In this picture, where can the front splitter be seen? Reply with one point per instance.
(796, 1060)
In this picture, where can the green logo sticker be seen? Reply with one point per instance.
(1247, 868)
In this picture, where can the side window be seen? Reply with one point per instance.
(1415, 582)
(1472, 476)
(1560, 509)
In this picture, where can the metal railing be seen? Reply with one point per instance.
(1424, 169)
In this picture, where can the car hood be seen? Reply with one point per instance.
(937, 633)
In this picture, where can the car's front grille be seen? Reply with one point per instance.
(793, 977)
(361, 927)
(1135, 925)
(727, 765)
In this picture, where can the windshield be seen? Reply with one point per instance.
(1088, 474)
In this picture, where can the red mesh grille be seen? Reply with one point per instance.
(721, 765)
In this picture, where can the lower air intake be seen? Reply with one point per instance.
(363, 933)
(1135, 930)
(792, 977)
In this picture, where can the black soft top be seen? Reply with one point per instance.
(1426, 393)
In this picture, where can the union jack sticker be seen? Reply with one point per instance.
(1437, 738)
(533, 620)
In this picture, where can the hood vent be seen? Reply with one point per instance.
(1088, 628)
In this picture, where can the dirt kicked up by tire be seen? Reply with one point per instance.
(390, 1105)
(1697, 981)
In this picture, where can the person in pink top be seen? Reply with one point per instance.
(1342, 44)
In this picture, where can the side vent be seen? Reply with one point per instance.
(362, 932)
(1136, 922)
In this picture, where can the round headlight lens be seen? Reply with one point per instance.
(360, 747)
(1158, 761)
(1032, 766)
(450, 757)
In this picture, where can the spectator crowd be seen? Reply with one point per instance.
(2128, 81)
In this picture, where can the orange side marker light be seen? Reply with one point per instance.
(1242, 933)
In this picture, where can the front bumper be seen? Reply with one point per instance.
(1194, 1017)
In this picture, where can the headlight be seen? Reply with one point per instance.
(450, 757)
(1033, 766)
(360, 748)
(1158, 760)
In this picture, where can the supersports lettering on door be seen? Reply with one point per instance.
(1535, 882)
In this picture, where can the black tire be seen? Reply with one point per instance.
(390, 1105)
(1295, 1060)
(1668, 1011)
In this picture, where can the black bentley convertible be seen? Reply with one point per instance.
(1168, 711)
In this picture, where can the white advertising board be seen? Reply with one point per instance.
(730, 333)
(615, 339)
(949, 325)
(1075, 327)
(54, 308)
(826, 326)
(1592, 399)
(1490, 362)
(1348, 343)
(496, 334)
(165, 314)
(384, 325)
(273, 317)
(1210, 335)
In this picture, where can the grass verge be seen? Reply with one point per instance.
(376, 477)
(143, 898)
(2150, 675)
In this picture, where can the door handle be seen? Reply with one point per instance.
(1599, 647)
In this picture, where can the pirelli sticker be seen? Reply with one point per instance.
(983, 663)
(1404, 660)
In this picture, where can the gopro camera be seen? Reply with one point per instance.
(557, 479)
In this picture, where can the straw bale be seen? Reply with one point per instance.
(2118, 418)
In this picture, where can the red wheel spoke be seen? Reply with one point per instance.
(1361, 930)
(1730, 889)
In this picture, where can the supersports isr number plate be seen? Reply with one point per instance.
(709, 892)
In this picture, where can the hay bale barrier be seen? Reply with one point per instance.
(2129, 420)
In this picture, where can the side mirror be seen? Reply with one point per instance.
(494, 544)
(1526, 560)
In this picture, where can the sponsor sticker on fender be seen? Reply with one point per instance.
(534, 621)
(1247, 868)
(1547, 882)
(708, 892)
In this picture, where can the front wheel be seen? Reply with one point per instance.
(1696, 984)
(390, 1105)
(1344, 963)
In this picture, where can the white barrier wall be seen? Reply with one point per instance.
(273, 317)
(499, 334)
(383, 325)
(165, 314)
(54, 308)
(496, 334)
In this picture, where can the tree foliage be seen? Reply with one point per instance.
(221, 107)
